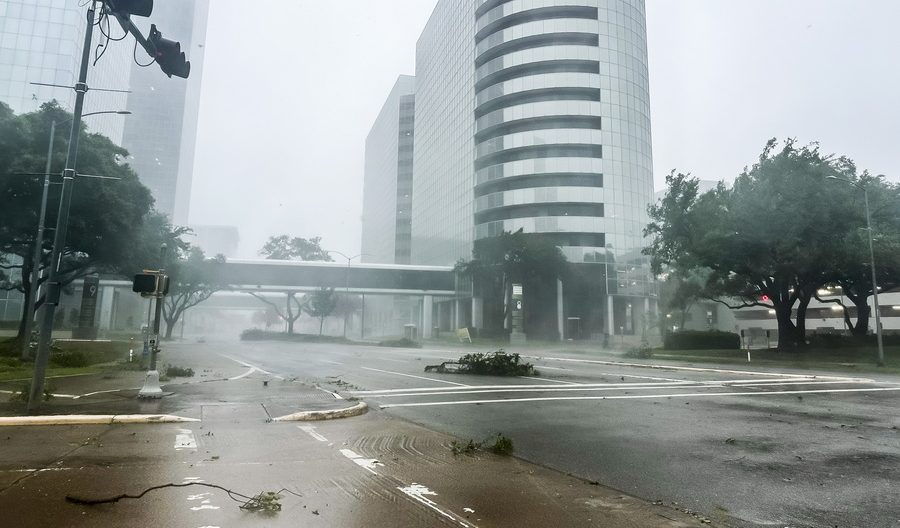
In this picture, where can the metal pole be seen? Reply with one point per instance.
(874, 283)
(32, 297)
(151, 388)
(362, 319)
(62, 219)
(346, 295)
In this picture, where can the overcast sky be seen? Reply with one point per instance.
(291, 88)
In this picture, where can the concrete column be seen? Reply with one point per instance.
(559, 309)
(477, 312)
(610, 318)
(106, 307)
(457, 315)
(427, 323)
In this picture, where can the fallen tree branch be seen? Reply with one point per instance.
(267, 500)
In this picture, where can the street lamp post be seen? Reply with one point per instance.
(32, 296)
(872, 265)
(346, 281)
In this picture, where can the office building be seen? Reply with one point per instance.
(161, 135)
(41, 41)
(387, 188)
(534, 115)
(215, 239)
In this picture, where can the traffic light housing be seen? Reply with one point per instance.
(141, 8)
(168, 55)
(144, 283)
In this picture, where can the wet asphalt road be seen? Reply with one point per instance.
(745, 449)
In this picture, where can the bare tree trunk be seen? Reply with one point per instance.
(321, 323)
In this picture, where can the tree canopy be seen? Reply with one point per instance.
(773, 239)
(106, 216)
(285, 247)
(193, 278)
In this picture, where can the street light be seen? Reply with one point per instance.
(32, 297)
(872, 263)
(346, 280)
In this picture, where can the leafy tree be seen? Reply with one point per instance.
(284, 247)
(516, 258)
(105, 216)
(768, 237)
(193, 278)
(680, 290)
(851, 269)
(320, 304)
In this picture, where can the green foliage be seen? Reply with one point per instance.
(780, 231)
(256, 334)
(499, 445)
(639, 352)
(173, 371)
(320, 304)
(193, 278)
(529, 259)
(497, 363)
(22, 395)
(403, 342)
(70, 359)
(502, 445)
(105, 215)
(699, 340)
(285, 247)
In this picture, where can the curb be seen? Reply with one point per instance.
(93, 419)
(308, 416)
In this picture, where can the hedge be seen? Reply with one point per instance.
(702, 340)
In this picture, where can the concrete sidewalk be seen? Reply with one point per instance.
(217, 380)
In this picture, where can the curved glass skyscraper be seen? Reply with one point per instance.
(562, 122)
(535, 115)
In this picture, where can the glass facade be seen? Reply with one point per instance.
(40, 41)
(444, 145)
(387, 184)
(160, 137)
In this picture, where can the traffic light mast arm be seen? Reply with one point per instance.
(128, 25)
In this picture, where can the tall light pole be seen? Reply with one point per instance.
(32, 295)
(62, 220)
(346, 281)
(872, 265)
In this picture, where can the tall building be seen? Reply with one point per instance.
(160, 137)
(535, 115)
(387, 187)
(41, 41)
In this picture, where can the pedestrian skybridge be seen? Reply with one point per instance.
(262, 275)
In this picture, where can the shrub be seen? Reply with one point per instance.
(74, 359)
(255, 334)
(497, 363)
(22, 396)
(173, 371)
(403, 342)
(639, 352)
(702, 340)
(502, 445)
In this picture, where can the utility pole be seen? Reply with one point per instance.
(151, 388)
(874, 282)
(38, 253)
(62, 220)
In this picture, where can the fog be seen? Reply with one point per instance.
(290, 90)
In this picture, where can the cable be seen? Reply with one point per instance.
(136, 61)
(107, 33)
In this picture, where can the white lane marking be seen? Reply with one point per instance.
(70, 396)
(244, 375)
(369, 464)
(551, 368)
(694, 369)
(642, 396)
(417, 377)
(418, 493)
(103, 392)
(184, 439)
(248, 365)
(617, 387)
(389, 359)
(204, 507)
(637, 384)
(332, 362)
(553, 380)
(311, 431)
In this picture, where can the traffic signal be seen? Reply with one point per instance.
(168, 55)
(144, 283)
(141, 8)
